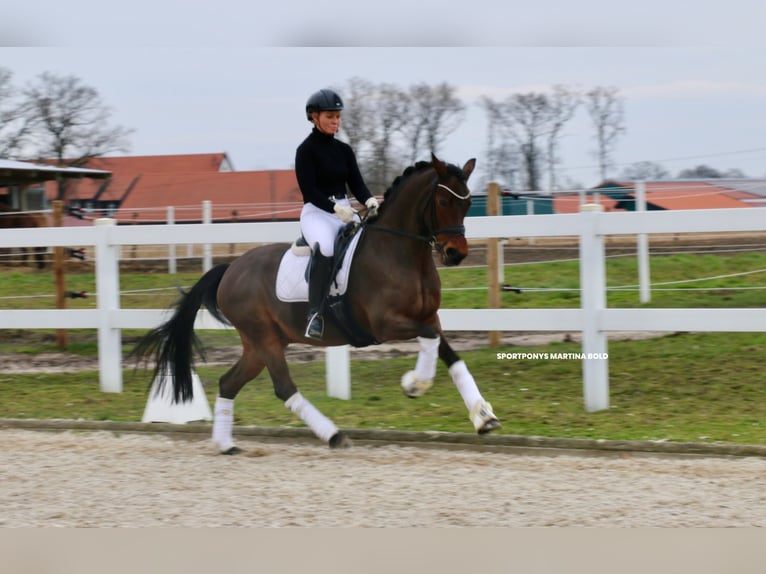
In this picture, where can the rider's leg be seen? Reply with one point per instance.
(320, 229)
(319, 285)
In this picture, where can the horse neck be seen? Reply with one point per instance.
(408, 210)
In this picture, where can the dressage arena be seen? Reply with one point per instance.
(109, 479)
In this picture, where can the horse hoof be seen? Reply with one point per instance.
(339, 440)
(232, 450)
(489, 426)
(483, 419)
(414, 387)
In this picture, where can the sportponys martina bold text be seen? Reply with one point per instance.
(551, 356)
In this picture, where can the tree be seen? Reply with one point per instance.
(606, 110)
(389, 118)
(703, 171)
(14, 122)
(433, 113)
(526, 119)
(562, 104)
(645, 170)
(358, 114)
(372, 121)
(501, 160)
(71, 122)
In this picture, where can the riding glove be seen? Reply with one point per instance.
(344, 212)
(372, 207)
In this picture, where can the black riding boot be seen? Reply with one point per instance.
(319, 286)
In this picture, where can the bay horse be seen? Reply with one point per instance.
(13, 218)
(393, 292)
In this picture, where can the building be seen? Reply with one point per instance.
(670, 194)
(141, 189)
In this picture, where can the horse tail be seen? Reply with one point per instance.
(174, 343)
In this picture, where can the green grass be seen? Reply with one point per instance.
(686, 387)
(620, 272)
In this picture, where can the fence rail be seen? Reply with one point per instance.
(593, 319)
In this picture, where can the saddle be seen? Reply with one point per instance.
(342, 243)
(338, 309)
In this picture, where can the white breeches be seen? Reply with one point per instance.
(319, 226)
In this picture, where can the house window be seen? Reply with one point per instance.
(33, 199)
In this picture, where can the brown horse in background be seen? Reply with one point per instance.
(393, 293)
(12, 218)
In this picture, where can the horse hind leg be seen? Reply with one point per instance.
(285, 389)
(245, 369)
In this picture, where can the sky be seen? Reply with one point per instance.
(231, 77)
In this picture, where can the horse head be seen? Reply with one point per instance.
(451, 200)
(439, 199)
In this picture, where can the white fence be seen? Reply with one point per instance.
(593, 319)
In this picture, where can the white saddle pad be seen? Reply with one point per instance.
(291, 276)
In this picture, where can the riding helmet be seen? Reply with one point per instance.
(323, 101)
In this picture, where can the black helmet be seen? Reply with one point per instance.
(323, 101)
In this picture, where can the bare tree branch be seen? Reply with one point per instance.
(14, 123)
(70, 122)
(435, 112)
(562, 105)
(525, 120)
(606, 110)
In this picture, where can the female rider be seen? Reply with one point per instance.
(324, 167)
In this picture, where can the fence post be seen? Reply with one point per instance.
(172, 266)
(595, 366)
(493, 283)
(338, 372)
(207, 250)
(59, 273)
(108, 301)
(643, 248)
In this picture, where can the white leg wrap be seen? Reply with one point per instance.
(465, 383)
(223, 422)
(323, 427)
(425, 368)
(479, 410)
(416, 383)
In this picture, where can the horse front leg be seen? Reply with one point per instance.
(415, 383)
(285, 389)
(479, 411)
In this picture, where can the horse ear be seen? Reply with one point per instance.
(439, 166)
(468, 167)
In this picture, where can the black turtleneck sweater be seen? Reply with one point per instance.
(323, 166)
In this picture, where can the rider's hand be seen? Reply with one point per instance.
(344, 212)
(372, 207)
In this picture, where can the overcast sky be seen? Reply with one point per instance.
(230, 77)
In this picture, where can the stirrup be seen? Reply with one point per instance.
(315, 327)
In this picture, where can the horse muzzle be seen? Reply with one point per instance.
(454, 251)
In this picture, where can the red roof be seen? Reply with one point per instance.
(240, 195)
(126, 170)
(669, 194)
(143, 187)
(570, 203)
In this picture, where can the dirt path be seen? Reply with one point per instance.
(99, 479)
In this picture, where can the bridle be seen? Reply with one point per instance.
(430, 238)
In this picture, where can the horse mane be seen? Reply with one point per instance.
(398, 183)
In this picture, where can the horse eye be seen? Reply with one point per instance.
(443, 202)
